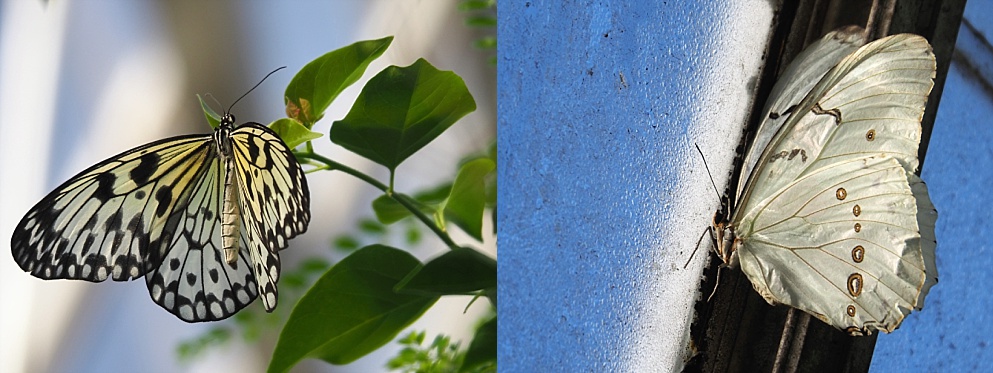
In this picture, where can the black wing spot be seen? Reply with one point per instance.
(174, 264)
(139, 194)
(191, 279)
(213, 275)
(113, 224)
(217, 256)
(105, 187)
(88, 243)
(207, 214)
(253, 150)
(164, 197)
(148, 163)
(135, 226)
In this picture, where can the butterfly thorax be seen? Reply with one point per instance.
(230, 212)
(725, 242)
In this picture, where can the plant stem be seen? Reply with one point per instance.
(402, 199)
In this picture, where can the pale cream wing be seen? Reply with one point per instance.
(843, 243)
(797, 79)
(870, 104)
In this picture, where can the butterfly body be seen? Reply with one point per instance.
(230, 213)
(829, 217)
(166, 211)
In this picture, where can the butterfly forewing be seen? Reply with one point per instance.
(797, 79)
(877, 94)
(102, 222)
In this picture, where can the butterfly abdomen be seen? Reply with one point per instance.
(230, 211)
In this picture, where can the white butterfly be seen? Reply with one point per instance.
(828, 216)
(166, 210)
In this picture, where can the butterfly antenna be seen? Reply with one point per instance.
(708, 170)
(253, 88)
(697, 247)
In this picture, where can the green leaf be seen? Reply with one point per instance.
(483, 349)
(389, 211)
(459, 271)
(488, 42)
(434, 195)
(212, 118)
(476, 5)
(351, 310)
(481, 21)
(372, 227)
(400, 111)
(413, 235)
(320, 81)
(346, 243)
(311, 265)
(293, 132)
(468, 198)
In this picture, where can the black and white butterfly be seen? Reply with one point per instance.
(201, 217)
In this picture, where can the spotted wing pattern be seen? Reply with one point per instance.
(833, 220)
(101, 223)
(192, 280)
(274, 198)
(154, 211)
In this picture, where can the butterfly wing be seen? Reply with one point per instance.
(275, 201)
(843, 243)
(799, 77)
(102, 222)
(882, 87)
(192, 280)
(857, 129)
(151, 211)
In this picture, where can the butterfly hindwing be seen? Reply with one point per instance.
(862, 225)
(193, 281)
(274, 195)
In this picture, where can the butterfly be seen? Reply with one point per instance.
(167, 211)
(828, 216)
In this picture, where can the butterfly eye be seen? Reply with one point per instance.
(858, 227)
(871, 135)
(851, 310)
(857, 210)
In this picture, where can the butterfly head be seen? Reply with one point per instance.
(227, 120)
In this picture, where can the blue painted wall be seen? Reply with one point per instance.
(593, 126)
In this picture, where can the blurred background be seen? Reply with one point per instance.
(82, 81)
